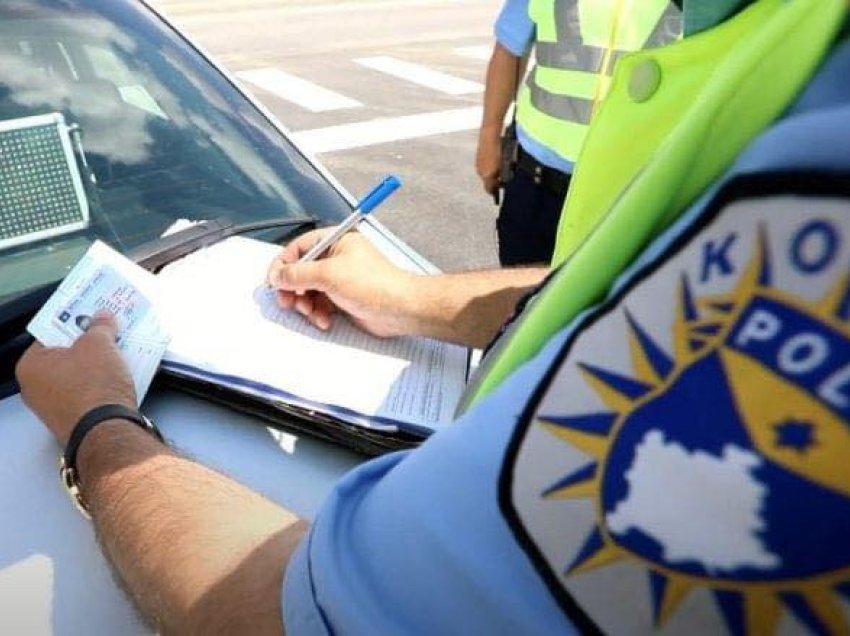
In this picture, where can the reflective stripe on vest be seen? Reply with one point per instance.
(578, 43)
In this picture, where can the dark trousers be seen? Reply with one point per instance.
(528, 221)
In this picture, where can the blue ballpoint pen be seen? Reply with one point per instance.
(369, 203)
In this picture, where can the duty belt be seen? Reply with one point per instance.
(553, 180)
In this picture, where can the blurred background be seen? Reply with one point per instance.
(373, 87)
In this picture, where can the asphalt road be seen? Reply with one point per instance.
(373, 87)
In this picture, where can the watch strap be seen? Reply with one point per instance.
(97, 415)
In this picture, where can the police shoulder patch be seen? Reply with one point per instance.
(685, 467)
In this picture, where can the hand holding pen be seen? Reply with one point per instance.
(359, 281)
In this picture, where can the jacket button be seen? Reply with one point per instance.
(645, 80)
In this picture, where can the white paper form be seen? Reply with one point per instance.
(104, 279)
(224, 321)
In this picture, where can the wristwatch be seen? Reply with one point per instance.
(68, 460)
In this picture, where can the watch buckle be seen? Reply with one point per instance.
(68, 477)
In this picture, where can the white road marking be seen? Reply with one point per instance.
(422, 75)
(203, 9)
(298, 91)
(387, 129)
(481, 52)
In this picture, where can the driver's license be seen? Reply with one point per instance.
(105, 289)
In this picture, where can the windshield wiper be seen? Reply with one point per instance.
(156, 254)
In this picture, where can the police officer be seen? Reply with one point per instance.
(658, 441)
(576, 45)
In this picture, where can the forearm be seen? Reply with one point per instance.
(469, 308)
(500, 89)
(197, 551)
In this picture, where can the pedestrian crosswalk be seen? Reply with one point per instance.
(479, 52)
(383, 130)
(299, 91)
(422, 75)
(385, 75)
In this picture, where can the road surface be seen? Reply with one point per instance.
(373, 87)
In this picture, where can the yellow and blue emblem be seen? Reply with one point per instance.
(704, 421)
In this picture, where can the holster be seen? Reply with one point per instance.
(509, 154)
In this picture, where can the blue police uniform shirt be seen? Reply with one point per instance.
(515, 31)
(419, 543)
(514, 28)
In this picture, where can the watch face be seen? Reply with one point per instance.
(68, 477)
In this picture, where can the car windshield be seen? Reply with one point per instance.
(112, 127)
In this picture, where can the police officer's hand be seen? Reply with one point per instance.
(352, 277)
(61, 384)
(488, 159)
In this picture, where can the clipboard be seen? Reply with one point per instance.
(294, 419)
(226, 330)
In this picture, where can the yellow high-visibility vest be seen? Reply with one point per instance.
(577, 45)
(655, 148)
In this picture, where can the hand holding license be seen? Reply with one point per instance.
(105, 280)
